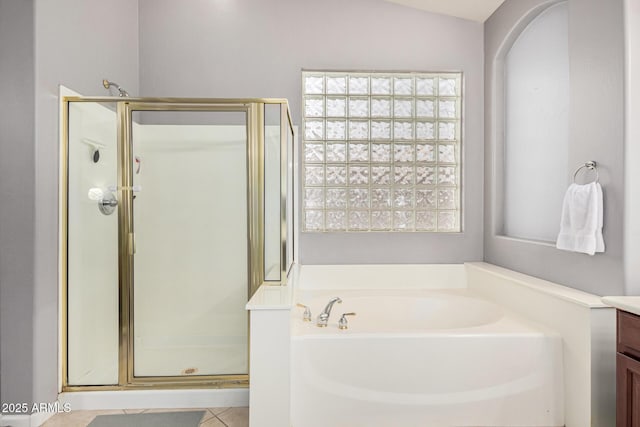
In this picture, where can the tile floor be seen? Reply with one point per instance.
(213, 417)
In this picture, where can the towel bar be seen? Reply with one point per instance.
(590, 165)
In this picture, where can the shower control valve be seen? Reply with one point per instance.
(307, 312)
(107, 202)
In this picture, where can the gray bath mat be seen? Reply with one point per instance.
(155, 419)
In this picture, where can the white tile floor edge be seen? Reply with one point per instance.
(33, 420)
(135, 399)
(160, 399)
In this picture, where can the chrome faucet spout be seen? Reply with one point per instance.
(323, 318)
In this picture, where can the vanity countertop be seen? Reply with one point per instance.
(629, 303)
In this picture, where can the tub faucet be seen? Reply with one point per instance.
(323, 317)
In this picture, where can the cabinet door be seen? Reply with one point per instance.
(628, 399)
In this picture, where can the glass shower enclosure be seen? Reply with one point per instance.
(173, 212)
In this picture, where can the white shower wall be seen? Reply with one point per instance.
(92, 250)
(190, 265)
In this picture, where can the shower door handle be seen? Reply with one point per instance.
(132, 244)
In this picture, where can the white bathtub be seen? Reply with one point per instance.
(423, 358)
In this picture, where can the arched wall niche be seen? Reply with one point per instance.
(531, 125)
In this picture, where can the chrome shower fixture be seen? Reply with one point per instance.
(107, 202)
(107, 84)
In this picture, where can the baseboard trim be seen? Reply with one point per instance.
(155, 399)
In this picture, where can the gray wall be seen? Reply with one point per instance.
(215, 49)
(256, 48)
(596, 123)
(632, 147)
(76, 43)
(17, 210)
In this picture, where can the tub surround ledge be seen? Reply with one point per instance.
(269, 361)
(630, 304)
(587, 327)
(269, 297)
(566, 293)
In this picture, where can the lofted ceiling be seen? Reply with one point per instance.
(474, 10)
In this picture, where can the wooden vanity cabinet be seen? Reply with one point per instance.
(628, 370)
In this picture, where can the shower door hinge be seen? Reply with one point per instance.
(132, 244)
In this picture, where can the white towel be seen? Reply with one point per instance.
(581, 224)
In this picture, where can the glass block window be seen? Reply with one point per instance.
(381, 151)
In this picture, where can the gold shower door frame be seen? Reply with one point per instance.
(254, 109)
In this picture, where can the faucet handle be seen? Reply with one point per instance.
(307, 312)
(342, 323)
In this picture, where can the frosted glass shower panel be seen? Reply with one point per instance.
(190, 224)
(290, 199)
(92, 248)
(272, 191)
